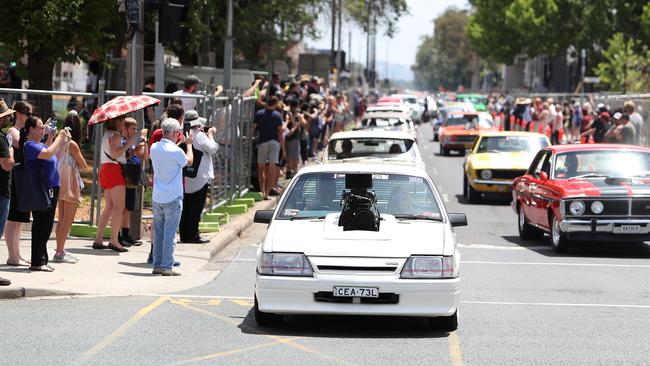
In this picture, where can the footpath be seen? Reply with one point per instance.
(108, 273)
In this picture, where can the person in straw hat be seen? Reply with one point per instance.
(6, 164)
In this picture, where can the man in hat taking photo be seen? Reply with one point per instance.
(198, 177)
(6, 164)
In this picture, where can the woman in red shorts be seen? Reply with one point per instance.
(112, 182)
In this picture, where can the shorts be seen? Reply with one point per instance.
(268, 151)
(110, 175)
(129, 202)
(16, 215)
(293, 149)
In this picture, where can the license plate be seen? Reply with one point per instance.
(344, 291)
(627, 229)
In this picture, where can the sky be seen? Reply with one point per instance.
(401, 49)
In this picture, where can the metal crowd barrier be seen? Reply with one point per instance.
(231, 115)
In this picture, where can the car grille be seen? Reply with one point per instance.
(507, 174)
(384, 298)
(614, 207)
(356, 268)
(465, 138)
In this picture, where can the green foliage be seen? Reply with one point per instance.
(626, 65)
(500, 30)
(49, 31)
(446, 58)
(388, 13)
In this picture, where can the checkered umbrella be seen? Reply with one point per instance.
(120, 106)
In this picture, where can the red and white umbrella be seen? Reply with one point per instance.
(120, 106)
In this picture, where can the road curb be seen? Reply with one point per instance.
(231, 231)
(20, 292)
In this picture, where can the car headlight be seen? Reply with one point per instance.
(419, 266)
(577, 208)
(285, 264)
(597, 207)
(486, 174)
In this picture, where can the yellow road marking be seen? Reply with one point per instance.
(214, 302)
(454, 349)
(290, 341)
(231, 352)
(119, 331)
(246, 303)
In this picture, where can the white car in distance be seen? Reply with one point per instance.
(318, 258)
(378, 146)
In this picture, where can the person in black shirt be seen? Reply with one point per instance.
(268, 123)
(599, 127)
(6, 164)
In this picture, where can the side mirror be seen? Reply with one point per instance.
(543, 176)
(263, 216)
(457, 219)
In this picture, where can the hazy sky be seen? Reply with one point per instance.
(402, 47)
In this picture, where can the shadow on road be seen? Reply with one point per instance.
(345, 326)
(585, 249)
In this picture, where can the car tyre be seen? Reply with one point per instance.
(447, 323)
(465, 184)
(266, 319)
(559, 240)
(435, 137)
(526, 230)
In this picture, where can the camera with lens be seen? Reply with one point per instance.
(359, 204)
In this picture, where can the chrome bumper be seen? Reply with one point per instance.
(612, 226)
(493, 182)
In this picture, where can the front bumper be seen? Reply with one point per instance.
(607, 227)
(288, 295)
(457, 145)
(492, 185)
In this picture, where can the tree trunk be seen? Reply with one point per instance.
(40, 78)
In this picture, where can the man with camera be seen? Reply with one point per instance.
(198, 177)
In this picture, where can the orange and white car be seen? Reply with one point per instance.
(461, 130)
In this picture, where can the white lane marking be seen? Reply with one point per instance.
(504, 247)
(557, 304)
(561, 264)
(445, 197)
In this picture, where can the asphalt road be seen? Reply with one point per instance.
(521, 304)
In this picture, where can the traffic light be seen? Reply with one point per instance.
(171, 20)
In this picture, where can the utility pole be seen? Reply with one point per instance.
(227, 52)
(134, 77)
(339, 58)
(332, 49)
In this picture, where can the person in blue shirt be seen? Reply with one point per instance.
(168, 161)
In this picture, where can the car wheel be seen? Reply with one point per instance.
(465, 184)
(559, 240)
(266, 319)
(435, 136)
(526, 230)
(448, 323)
(472, 194)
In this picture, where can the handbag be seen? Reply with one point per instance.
(70, 187)
(31, 189)
(131, 170)
(193, 170)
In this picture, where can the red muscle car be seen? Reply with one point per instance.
(585, 192)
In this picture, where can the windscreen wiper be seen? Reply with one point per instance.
(417, 217)
(307, 218)
(590, 175)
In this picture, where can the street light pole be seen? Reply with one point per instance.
(227, 53)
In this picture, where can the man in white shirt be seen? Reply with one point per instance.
(197, 177)
(189, 88)
(168, 161)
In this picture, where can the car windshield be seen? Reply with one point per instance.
(381, 122)
(603, 163)
(317, 194)
(469, 121)
(530, 144)
(370, 147)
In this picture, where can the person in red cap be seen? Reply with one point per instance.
(599, 127)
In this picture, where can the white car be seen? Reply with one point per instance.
(396, 257)
(378, 146)
(411, 100)
(390, 121)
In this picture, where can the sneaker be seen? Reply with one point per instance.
(157, 271)
(170, 272)
(4, 282)
(65, 258)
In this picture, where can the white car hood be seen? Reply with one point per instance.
(395, 239)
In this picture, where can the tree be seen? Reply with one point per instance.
(51, 31)
(446, 58)
(387, 13)
(625, 68)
